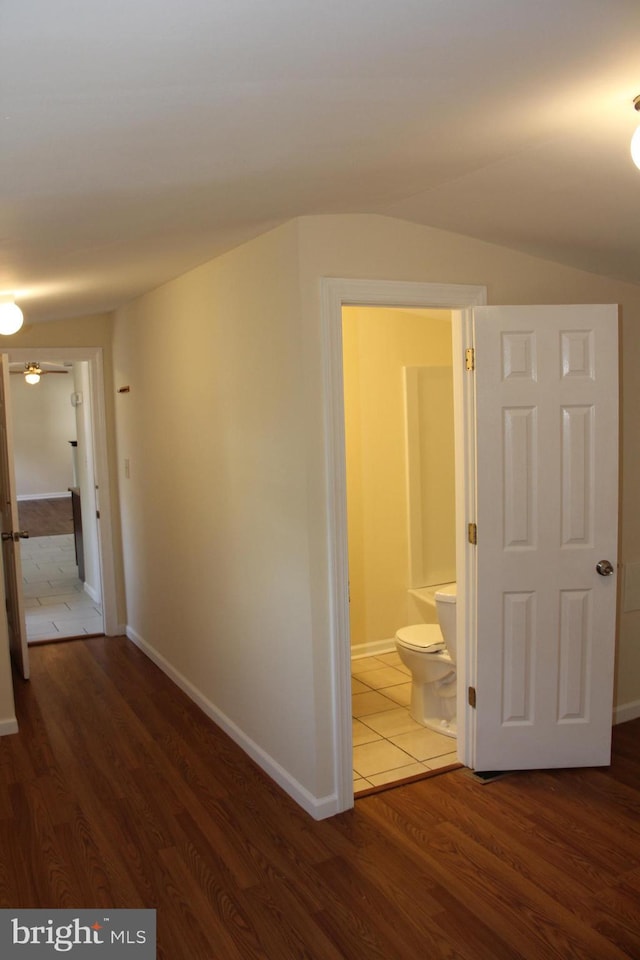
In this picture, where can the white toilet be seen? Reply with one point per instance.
(429, 651)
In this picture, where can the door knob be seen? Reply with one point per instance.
(604, 568)
(18, 535)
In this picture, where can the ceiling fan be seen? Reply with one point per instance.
(33, 370)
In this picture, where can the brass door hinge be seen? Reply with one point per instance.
(470, 358)
(472, 533)
(472, 697)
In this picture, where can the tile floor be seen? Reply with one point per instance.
(387, 744)
(56, 604)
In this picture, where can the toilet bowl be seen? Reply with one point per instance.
(428, 650)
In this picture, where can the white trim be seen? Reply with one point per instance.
(466, 554)
(44, 496)
(92, 592)
(105, 526)
(336, 292)
(372, 648)
(94, 356)
(8, 726)
(626, 711)
(318, 807)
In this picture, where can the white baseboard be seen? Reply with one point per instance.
(318, 807)
(93, 593)
(372, 649)
(626, 711)
(44, 496)
(7, 726)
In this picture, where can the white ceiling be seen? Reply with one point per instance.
(139, 138)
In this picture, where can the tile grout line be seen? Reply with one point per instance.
(61, 592)
(385, 668)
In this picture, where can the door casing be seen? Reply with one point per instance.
(461, 299)
(94, 357)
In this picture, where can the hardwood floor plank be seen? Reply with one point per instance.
(584, 823)
(17, 887)
(46, 518)
(616, 913)
(531, 912)
(119, 792)
(217, 845)
(346, 925)
(282, 921)
(222, 922)
(397, 934)
(520, 912)
(104, 879)
(52, 878)
(561, 862)
(478, 938)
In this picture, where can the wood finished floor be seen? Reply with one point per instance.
(119, 792)
(46, 518)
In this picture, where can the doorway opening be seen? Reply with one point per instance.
(54, 462)
(88, 547)
(400, 485)
(336, 294)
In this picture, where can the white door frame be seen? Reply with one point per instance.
(335, 293)
(94, 357)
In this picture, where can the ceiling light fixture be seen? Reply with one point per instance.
(10, 316)
(635, 139)
(32, 372)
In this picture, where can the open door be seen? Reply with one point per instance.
(11, 531)
(547, 519)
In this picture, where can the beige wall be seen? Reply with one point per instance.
(43, 424)
(378, 344)
(225, 509)
(214, 510)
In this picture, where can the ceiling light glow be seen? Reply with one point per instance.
(32, 372)
(11, 318)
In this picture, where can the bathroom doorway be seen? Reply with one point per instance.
(497, 474)
(460, 299)
(400, 480)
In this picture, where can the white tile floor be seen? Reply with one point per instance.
(387, 744)
(56, 604)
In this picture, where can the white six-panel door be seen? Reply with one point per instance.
(547, 484)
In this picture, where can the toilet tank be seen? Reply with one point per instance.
(446, 609)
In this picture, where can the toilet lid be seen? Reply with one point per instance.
(422, 636)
